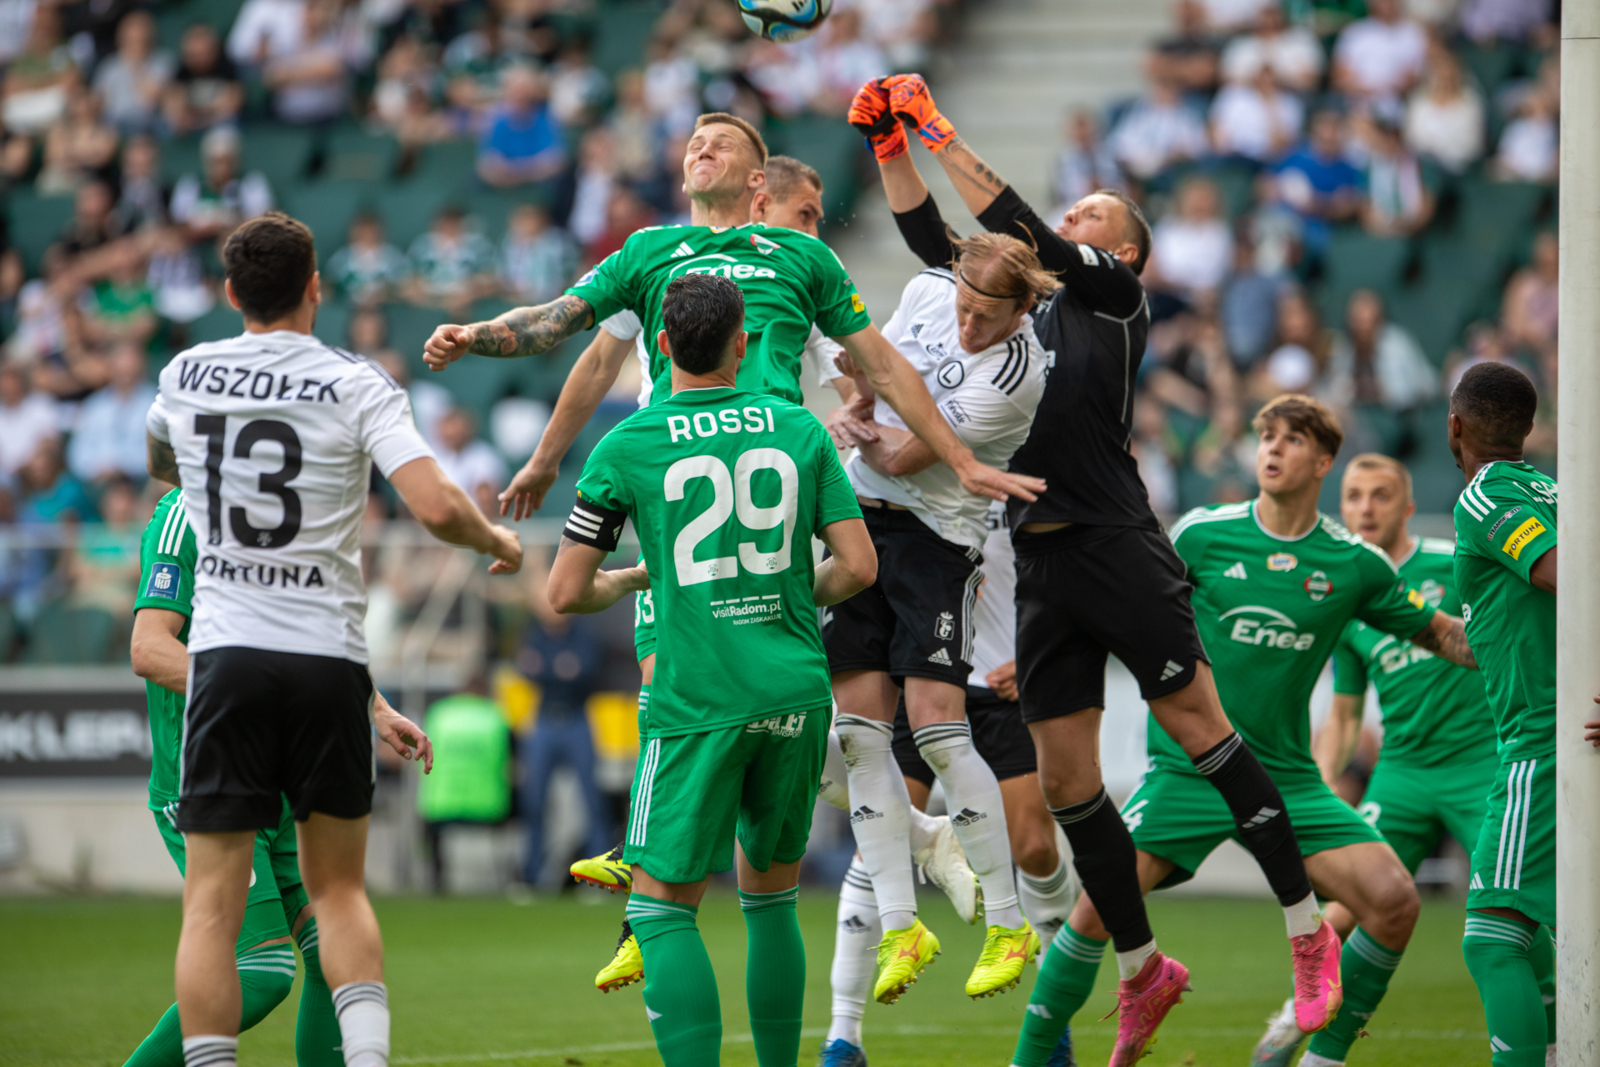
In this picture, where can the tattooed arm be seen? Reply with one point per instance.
(525, 331)
(977, 183)
(160, 460)
(1446, 636)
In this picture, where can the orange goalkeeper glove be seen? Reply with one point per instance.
(870, 114)
(913, 105)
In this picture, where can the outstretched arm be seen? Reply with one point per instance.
(524, 331)
(577, 585)
(1446, 636)
(1336, 742)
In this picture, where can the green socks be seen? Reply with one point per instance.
(265, 978)
(317, 1039)
(1498, 954)
(1542, 957)
(774, 975)
(1066, 978)
(1365, 968)
(680, 989)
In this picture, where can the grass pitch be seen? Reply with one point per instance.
(479, 981)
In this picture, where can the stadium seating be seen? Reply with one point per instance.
(62, 634)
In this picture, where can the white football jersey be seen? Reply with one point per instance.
(994, 619)
(817, 358)
(275, 436)
(987, 397)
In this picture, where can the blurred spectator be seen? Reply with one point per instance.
(1084, 163)
(1247, 307)
(177, 278)
(103, 566)
(429, 400)
(1291, 53)
(94, 222)
(311, 84)
(1191, 371)
(1444, 118)
(1187, 58)
(50, 493)
(1319, 182)
(264, 29)
(132, 81)
(38, 79)
(1488, 21)
(536, 258)
(845, 61)
(1300, 356)
(626, 213)
(1156, 454)
(213, 203)
(671, 86)
(1377, 362)
(471, 463)
(635, 132)
(1255, 119)
(205, 90)
(1529, 149)
(16, 24)
(368, 269)
(44, 305)
(1399, 202)
(1380, 56)
(1192, 247)
(903, 29)
(1532, 298)
(78, 148)
(143, 198)
(110, 438)
(120, 306)
(596, 177)
(471, 779)
(403, 98)
(451, 265)
(579, 90)
(1227, 17)
(27, 419)
(563, 656)
(523, 142)
(476, 61)
(1158, 130)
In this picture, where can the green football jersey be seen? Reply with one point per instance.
(1434, 712)
(725, 488)
(1270, 610)
(1505, 521)
(167, 554)
(790, 280)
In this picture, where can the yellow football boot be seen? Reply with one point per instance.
(607, 872)
(901, 956)
(626, 967)
(1005, 953)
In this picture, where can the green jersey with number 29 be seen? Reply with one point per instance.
(1270, 610)
(790, 280)
(1506, 521)
(725, 489)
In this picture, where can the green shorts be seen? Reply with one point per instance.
(274, 877)
(1514, 863)
(1414, 807)
(1182, 819)
(693, 793)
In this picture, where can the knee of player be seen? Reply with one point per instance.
(1397, 903)
(1034, 849)
(1086, 920)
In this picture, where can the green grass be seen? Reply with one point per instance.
(486, 981)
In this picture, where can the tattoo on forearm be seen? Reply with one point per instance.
(983, 176)
(531, 331)
(163, 462)
(1451, 644)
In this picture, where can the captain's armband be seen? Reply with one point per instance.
(595, 526)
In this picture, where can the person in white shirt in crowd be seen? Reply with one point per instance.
(1291, 53)
(1256, 119)
(265, 29)
(471, 463)
(312, 83)
(27, 419)
(1381, 56)
(1192, 247)
(214, 202)
(1227, 17)
(1083, 164)
(845, 60)
(536, 258)
(1158, 130)
(1399, 202)
(597, 176)
(132, 80)
(1375, 361)
(1488, 21)
(108, 437)
(1529, 149)
(1444, 116)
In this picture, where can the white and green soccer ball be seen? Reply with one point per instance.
(784, 21)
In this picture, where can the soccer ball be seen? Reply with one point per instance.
(784, 21)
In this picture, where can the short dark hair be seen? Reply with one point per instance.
(785, 175)
(1498, 401)
(270, 261)
(1302, 414)
(701, 313)
(1138, 229)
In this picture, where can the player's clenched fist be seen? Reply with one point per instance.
(448, 344)
(869, 113)
(506, 550)
(912, 104)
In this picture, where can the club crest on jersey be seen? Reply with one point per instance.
(764, 245)
(1282, 561)
(951, 374)
(944, 627)
(1318, 586)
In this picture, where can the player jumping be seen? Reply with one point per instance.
(726, 488)
(1096, 576)
(277, 911)
(1438, 760)
(1506, 572)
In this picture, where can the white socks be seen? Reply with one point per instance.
(924, 828)
(855, 953)
(977, 813)
(210, 1050)
(1048, 901)
(881, 817)
(1303, 918)
(1311, 1059)
(835, 786)
(363, 1011)
(1129, 964)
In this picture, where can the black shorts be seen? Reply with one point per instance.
(998, 733)
(916, 619)
(263, 725)
(1085, 591)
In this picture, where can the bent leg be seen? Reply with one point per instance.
(333, 863)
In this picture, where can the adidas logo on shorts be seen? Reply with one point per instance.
(941, 657)
(966, 817)
(1172, 670)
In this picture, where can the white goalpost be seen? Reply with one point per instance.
(1578, 603)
